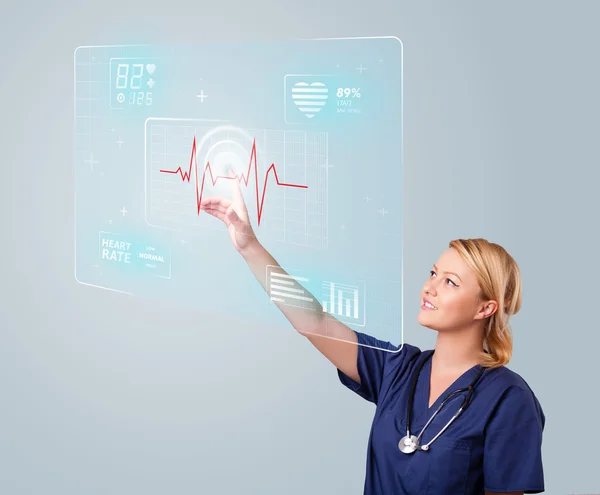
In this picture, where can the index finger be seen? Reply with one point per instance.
(238, 199)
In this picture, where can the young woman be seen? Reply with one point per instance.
(418, 444)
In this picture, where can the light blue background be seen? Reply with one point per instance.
(105, 393)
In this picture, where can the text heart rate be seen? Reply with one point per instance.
(260, 198)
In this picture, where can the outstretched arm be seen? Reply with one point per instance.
(336, 341)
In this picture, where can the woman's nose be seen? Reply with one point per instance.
(429, 287)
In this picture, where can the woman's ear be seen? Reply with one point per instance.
(487, 309)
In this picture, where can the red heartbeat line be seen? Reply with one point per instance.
(200, 189)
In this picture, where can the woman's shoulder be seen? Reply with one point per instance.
(508, 379)
(511, 392)
(394, 358)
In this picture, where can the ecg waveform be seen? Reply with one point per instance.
(260, 199)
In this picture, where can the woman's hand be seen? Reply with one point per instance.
(234, 215)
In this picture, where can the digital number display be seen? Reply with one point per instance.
(131, 83)
(135, 82)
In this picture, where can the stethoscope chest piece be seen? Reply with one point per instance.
(408, 445)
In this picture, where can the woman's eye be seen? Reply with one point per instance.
(449, 281)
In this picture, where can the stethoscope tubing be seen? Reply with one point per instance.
(465, 403)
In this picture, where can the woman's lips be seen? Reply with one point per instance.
(426, 305)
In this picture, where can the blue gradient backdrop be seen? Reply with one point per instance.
(107, 393)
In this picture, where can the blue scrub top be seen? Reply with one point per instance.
(494, 445)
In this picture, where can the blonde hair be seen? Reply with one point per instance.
(499, 279)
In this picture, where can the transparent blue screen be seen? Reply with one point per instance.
(312, 129)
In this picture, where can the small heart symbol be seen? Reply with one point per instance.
(150, 68)
(310, 98)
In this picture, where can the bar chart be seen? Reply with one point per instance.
(345, 302)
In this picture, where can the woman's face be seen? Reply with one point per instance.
(453, 291)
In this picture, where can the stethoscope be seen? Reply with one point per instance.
(410, 443)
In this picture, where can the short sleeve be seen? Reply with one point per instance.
(512, 458)
(373, 364)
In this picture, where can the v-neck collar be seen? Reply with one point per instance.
(425, 379)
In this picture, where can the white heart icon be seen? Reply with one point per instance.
(150, 68)
(310, 98)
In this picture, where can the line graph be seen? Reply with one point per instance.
(260, 201)
(283, 176)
